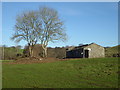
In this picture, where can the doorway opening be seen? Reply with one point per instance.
(86, 53)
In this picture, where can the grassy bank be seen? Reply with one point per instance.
(83, 73)
(112, 50)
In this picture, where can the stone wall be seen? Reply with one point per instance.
(96, 51)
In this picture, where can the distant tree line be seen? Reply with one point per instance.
(11, 53)
(16, 52)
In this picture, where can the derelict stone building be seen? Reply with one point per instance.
(86, 51)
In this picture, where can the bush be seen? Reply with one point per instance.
(11, 53)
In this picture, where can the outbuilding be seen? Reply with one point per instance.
(86, 51)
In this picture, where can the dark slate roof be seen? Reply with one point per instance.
(83, 46)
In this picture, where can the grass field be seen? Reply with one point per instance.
(83, 73)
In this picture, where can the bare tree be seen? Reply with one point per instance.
(52, 28)
(26, 27)
(43, 25)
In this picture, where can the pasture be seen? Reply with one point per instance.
(81, 73)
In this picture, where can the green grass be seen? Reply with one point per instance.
(83, 73)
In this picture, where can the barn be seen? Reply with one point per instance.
(92, 50)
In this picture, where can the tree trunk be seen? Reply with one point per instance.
(31, 51)
(44, 51)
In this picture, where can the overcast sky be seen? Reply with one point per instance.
(85, 22)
